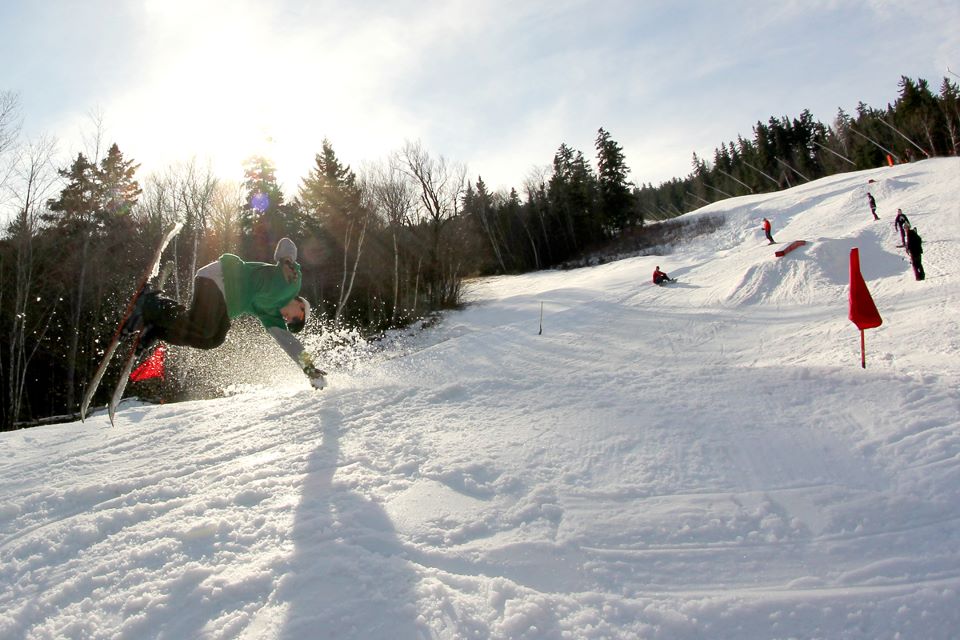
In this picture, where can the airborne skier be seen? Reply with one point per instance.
(226, 289)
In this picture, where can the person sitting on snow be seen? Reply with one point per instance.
(226, 289)
(659, 277)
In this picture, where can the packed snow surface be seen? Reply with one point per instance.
(702, 460)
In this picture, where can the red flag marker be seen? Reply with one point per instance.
(863, 312)
(152, 367)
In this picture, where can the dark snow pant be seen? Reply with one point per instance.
(203, 326)
(769, 237)
(917, 262)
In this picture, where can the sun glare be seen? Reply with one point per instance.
(216, 93)
(234, 81)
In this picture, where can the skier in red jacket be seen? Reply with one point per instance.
(766, 230)
(659, 277)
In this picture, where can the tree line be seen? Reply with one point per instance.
(381, 247)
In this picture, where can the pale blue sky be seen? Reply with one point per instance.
(497, 85)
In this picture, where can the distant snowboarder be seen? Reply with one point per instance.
(224, 290)
(873, 206)
(915, 249)
(766, 230)
(902, 223)
(659, 277)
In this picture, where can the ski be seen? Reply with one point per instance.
(128, 364)
(150, 272)
(131, 359)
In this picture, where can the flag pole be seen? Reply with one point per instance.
(863, 351)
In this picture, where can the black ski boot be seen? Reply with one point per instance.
(135, 321)
(158, 314)
(148, 338)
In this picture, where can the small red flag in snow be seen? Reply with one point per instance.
(863, 312)
(152, 367)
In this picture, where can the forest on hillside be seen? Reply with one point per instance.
(380, 248)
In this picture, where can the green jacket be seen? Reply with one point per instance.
(257, 289)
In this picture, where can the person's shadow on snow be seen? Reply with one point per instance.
(346, 576)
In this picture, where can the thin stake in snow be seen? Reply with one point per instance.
(540, 333)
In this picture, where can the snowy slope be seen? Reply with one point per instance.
(705, 460)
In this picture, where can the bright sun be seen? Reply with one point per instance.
(219, 93)
(233, 81)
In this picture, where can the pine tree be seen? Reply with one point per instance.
(265, 217)
(330, 193)
(333, 202)
(119, 188)
(616, 199)
(950, 105)
(573, 198)
(917, 115)
(91, 214)
(77, 208)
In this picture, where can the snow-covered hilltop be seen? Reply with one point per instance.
(703, 460)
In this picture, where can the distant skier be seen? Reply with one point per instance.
(902, 223)
(873, 206)
(915, 249)
(659, 277)
(224, 290)
(766, 230)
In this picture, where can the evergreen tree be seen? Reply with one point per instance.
(265, 217)
(333, 204)
(120, 190)
(330, 193)
(616, 200)
(77, 208)
(573, 197)
(478, 207)
(918, 117)
(804, 153)
(950, 105)
(91, 217)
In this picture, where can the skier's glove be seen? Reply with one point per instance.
(318, 381)
(317, 377)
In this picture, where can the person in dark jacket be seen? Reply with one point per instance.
(873, 206)
(225, 289)
(901, 223)
(915, 249)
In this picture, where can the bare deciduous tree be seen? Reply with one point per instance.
(9, 131)
(440, 185)
(361, 220)
(35, 177)
(195, 195)
(393, 197)
(226, 203)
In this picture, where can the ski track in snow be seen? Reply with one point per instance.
(701, 460)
